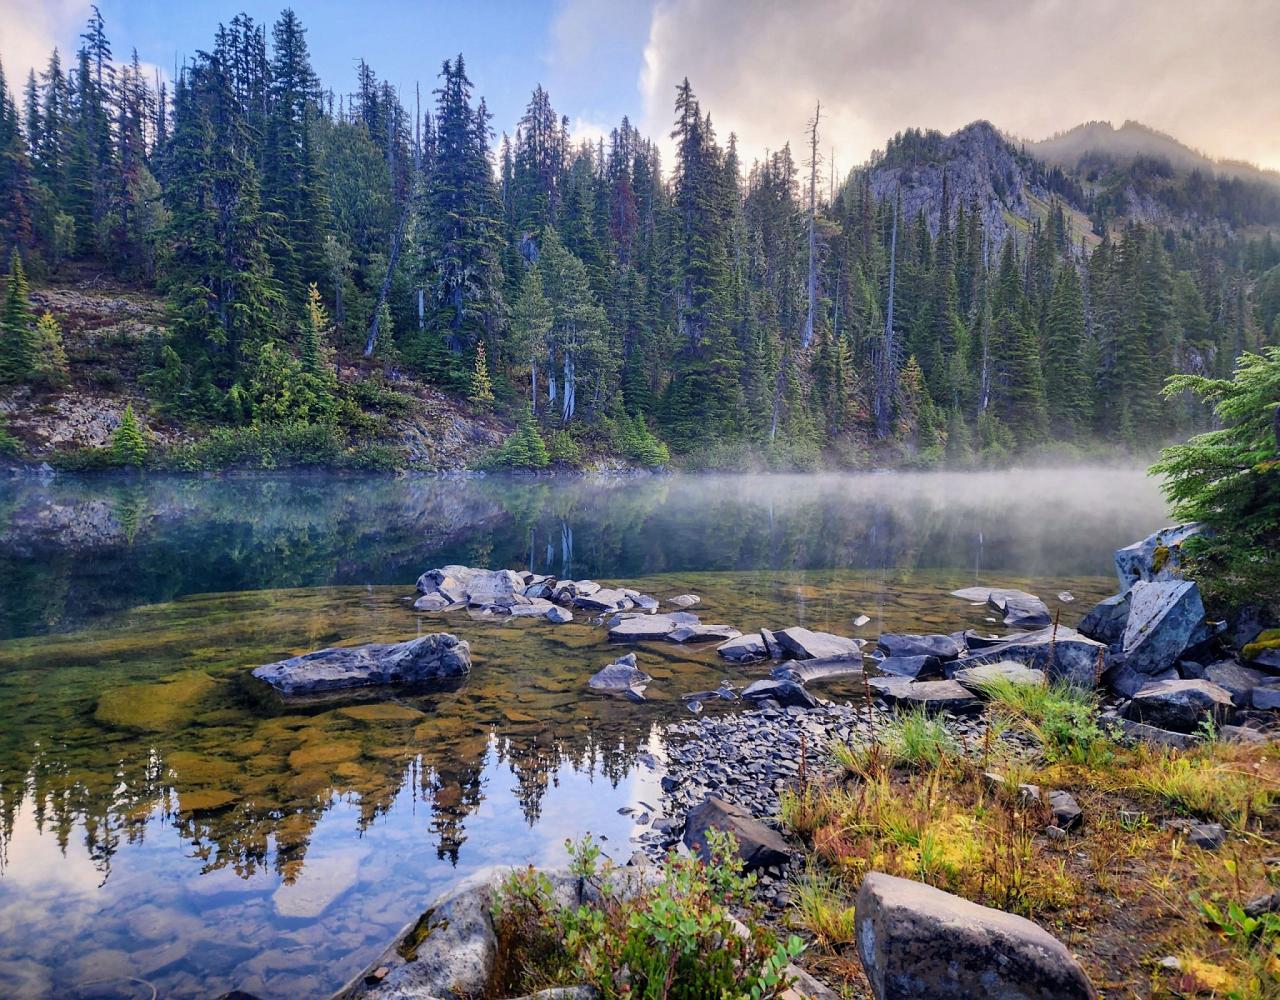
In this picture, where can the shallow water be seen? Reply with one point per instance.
(161, 820)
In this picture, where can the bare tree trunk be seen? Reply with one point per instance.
(397, 237)
(807, 339)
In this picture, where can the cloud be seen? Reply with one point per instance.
(1205, 73)
(31, 30)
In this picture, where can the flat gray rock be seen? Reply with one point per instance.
(1234, 678)
(1181, 705)
(943, 647)
(934, 696)
(802, 644)
(622, 676)
(912, 667)
(702, 633)
(437, 656)
(1019, 609)
(785, 692)
(558, 615)
(685, 601)
(920, 943)
(1063, 654)
(601, 600)
(1007, 670)
(641, 627)
(827, 668)
(1140, 732)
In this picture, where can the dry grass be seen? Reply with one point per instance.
(1121, 891)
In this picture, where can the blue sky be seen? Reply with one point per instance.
(1206, 73)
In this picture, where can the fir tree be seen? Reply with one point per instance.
(481, 384)
(127, 444)
(51, 356)
(1066, 386)
(19, 345)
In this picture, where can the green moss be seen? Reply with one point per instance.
(1160, 558)
(1270, 639)
(163, 705)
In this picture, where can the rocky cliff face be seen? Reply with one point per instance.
(981, 167)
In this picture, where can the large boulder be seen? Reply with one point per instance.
(437, 656)
(759, 846)
(1181, 705)
(1062, 653)
(1157, 558)
(920, 943)
(1165, 620)
(943, 647)
(801, 644)
(1107, 620)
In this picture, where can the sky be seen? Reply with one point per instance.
(1204, 71)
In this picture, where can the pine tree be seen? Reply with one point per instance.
(127, 444)
(481, 385)
(532, 318)
(51, 356)
(19, 346)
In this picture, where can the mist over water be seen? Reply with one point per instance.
(161, 820)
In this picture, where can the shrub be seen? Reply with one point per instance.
(525, 449)
(270, 447)
(562, 449)
(673, 939)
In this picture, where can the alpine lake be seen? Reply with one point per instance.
(166, 826)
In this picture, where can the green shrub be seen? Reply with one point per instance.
(525, 449)
(9, 445)
(271, 447)
(127, 444)
(562, 449)
(673, 939)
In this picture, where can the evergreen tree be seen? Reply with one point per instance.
(127, 444)
(1066, 386)
(481, 384)
(532, 319)
(19, 346)
(51, 356)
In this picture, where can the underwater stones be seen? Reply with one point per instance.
(786, 693)
(759, 846)
(804, 671)
(436, 656)
(1106, 621)
(201, 800)
(932, 696)
(1003, 670)
(319, 883)
(801, 644)
(942, 647)
(1164, 620)
(920, 943)
(322, 752)
(382, 712)
(748, 648)
(702, 633)
(620, 677)
(1157, 557)
(1181, 705)
(168, 703)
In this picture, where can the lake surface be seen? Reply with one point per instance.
(163, 824)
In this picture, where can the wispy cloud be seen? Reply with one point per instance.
(31, 30)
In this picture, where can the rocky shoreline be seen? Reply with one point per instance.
(1165, 675)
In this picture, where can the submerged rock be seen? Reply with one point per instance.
(622, 676)
(920, 943)
(433, 657)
